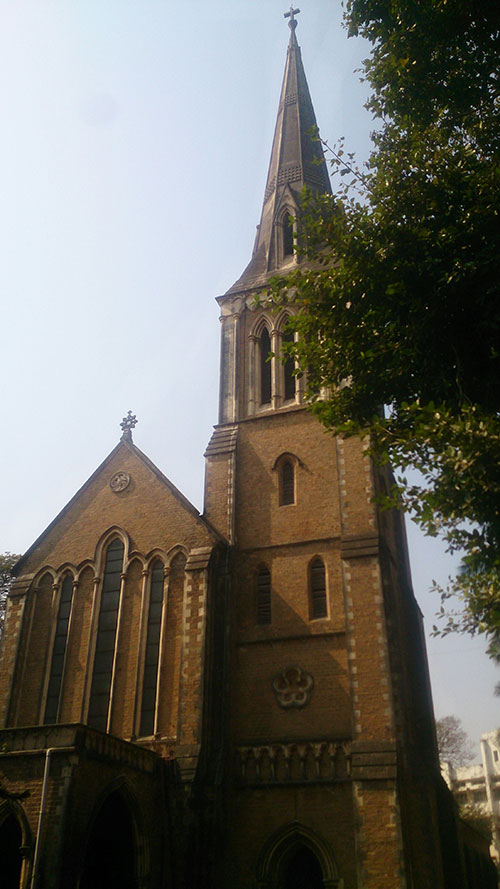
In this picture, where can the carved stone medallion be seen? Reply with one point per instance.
(119, 481)
(293, 687)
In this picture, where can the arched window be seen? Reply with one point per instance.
(288, 239)
(289, 369)
(59, 652)
(106, 637)
(317, 589)
(287, 483)
(265, 367)
(150, 680)
(263, 596)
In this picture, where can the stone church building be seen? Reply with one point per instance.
(238, 699)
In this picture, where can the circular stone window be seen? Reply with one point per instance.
(119, 481)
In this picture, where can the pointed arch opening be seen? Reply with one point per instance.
(265, 367)
(286, 466)
(111, 859)
(287, 223)
(287, 483)
(59, 646)
(290, 379)
(295, 857)
(106, 636)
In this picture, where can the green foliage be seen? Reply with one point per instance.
(400, 297)
(7, 562)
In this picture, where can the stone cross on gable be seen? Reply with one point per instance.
(127, 424)
(291, 15)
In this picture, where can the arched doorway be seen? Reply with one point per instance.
(302, 871)
(111, 854)
(11, 839)
(295, 857)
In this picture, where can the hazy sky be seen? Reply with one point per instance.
(135, 143)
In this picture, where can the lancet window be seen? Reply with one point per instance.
(150, 680)
(106, 637)
(287, 483)
(317, 589)
(263, 596)
(288, 235)
(52, 703)
(289, 370)
(265, 367)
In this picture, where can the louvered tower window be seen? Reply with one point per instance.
(106, 637)
(59, 652)
(318, 589)
(263, 596)
(265, 368)
(287, 483)
(289, 369)
(288, 245)
(150, 680)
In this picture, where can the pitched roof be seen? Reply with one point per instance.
(125, 442)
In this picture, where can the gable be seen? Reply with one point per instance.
(126, 492)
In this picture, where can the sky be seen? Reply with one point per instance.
(135, 143)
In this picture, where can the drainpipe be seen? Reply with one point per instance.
(43, 804)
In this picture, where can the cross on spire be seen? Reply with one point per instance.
(127, 424)
(291, 15)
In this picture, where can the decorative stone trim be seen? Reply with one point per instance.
(374, 761)
(198, 558)
(363, 545)
(119, 481)
(223, 441)
(293, 687)
(293, 762)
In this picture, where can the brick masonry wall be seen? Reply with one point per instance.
(79, 780)
(155, 519)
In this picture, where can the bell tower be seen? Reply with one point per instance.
(330, 725)
(250, 381)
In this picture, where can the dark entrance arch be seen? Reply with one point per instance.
(295, 857)
(302, 871)
(11, 839)
(111, 855)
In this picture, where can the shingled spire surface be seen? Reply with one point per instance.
(296, 161)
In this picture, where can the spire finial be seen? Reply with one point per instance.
(127, 424)
(291, 15)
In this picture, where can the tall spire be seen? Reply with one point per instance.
(296, 161)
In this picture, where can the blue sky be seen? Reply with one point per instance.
(136, 140)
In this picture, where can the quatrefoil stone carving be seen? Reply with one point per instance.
(293, 687)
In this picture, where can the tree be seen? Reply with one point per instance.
(400, 299)
(7, 562)
(453, 743)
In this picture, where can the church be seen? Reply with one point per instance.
(236, 699)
